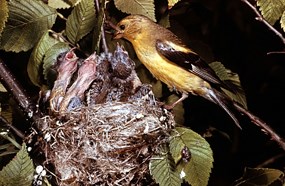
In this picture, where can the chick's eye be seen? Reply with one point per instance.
(122, 27)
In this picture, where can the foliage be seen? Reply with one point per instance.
(188, 158)
(19, 171)
(260, 176)
(29, 26)
(18, 34)
(272, 11)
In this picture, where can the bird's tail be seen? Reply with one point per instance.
(223, 101)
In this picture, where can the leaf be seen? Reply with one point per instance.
(271, 10)
(50, 58)
(260, 177)
(37, 56)
(81, 21)
(2, 88)
(171, 3)
(282, 21)
(143, 7)
(164, 21)
(28, 21)
(232, 80)
(7, 149)
(198, 167)
(61, 4)
(97, 34)
(19, 170)
(3, 14)
(162, 168)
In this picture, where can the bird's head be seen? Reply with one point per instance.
(131, 27)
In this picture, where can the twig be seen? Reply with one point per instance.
(17, 91)
(260, 18)
(103, 39)
(264, 126)
(112, 25)
(271, 160)
(8, 125)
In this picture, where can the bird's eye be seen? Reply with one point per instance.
(122, 27)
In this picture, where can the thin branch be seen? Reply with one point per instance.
(264, 126)
(103, 38)
(17, 91)
(4, 122)
(260, 18)
(271, 160)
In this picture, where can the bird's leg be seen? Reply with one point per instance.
(169, 107)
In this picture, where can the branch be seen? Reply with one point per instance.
(5, 123)
(17, 91)
(260, 18)
(264, 126)
(103, 39)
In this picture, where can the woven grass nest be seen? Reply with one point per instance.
(111, 135)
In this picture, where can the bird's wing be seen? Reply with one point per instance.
(187, 60)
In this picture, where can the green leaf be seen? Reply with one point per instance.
(97, 34)
(19, 170)
(7, 149)
(143, 7)
(171, 3)
(282, 21)
(198, 168)
(35, 62)
(164, 21)
(2, 88)
(3, 14)
(260, 177)
(271, 10)
(50, 58)
(81, 21)
(61, 4)
(162, 168)
(232, 80)
(28, 21)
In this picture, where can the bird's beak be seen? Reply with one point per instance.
(118, 34)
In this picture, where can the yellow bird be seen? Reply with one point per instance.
(172, 62)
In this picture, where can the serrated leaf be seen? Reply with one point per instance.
(62, 4)
(282, 21)
(171, 3)
(162, 169)
(37, 56)
(81, 21)
(28, 21)
(19, 170)
(271, 10)
(143, 7)
(3, 14)
(259, 177)
(50, 58)
(197, 170)
(232, 80)
(97, 33)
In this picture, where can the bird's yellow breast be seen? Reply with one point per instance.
(175, 77)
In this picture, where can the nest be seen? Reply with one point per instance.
(109, 142)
